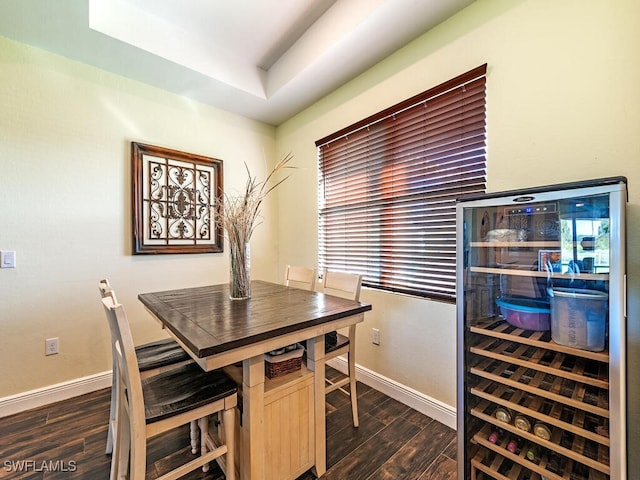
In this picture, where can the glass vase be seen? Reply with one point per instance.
(239, 271)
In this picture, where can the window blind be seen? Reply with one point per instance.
(388, 187)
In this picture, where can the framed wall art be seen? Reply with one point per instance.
(176, 200)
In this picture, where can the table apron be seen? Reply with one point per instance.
(239, 354)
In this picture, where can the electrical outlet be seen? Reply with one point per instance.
(375, 336)
(51, 346)
(8, 259)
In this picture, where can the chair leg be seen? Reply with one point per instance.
(122, 445)
(193, 425)
(116, 461)
(112, 410)
(137, 451)
(204, 433)
(353, 394)
(229, 423)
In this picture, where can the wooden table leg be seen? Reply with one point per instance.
(315, 362)
(253, 442)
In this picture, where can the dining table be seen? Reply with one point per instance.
(219, 332)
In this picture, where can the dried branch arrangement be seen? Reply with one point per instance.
(240, 215)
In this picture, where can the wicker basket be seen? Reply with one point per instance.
(277, 365)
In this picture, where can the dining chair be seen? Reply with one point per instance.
(153, 358)
(301, 277)
(168, 400)
(345, 285)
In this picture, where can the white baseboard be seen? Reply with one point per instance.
(431, 407)
(53, 393)
(426, 405)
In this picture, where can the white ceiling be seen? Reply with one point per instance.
(264, 59)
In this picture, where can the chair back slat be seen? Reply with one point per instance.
(342, 284)
(300, 277)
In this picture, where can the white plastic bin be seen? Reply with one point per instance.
(579, 318)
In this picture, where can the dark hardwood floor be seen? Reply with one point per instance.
(66, 440)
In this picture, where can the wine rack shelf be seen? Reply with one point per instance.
(561, 442)
(578, 422)
(490, 463)
(527, 272)
(532, 244)
(573, 394)
(554, 363)
(498, 328)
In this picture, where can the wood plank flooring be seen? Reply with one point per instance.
(66, 440)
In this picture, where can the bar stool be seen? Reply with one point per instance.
(153, 358)
(345, 285)
(146, 408)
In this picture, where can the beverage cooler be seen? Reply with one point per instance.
(541, 333)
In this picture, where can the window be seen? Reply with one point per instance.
(389, 184)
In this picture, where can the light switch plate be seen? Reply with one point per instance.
(8, 259)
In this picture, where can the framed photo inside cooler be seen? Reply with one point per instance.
(549, 260)
(176, 200)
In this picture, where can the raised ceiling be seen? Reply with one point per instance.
(263, 59)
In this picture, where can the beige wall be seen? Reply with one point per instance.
(65, 207)
(563, 105)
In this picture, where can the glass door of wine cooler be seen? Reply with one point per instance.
(541, 333)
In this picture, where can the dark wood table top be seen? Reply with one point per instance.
(208, 322)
